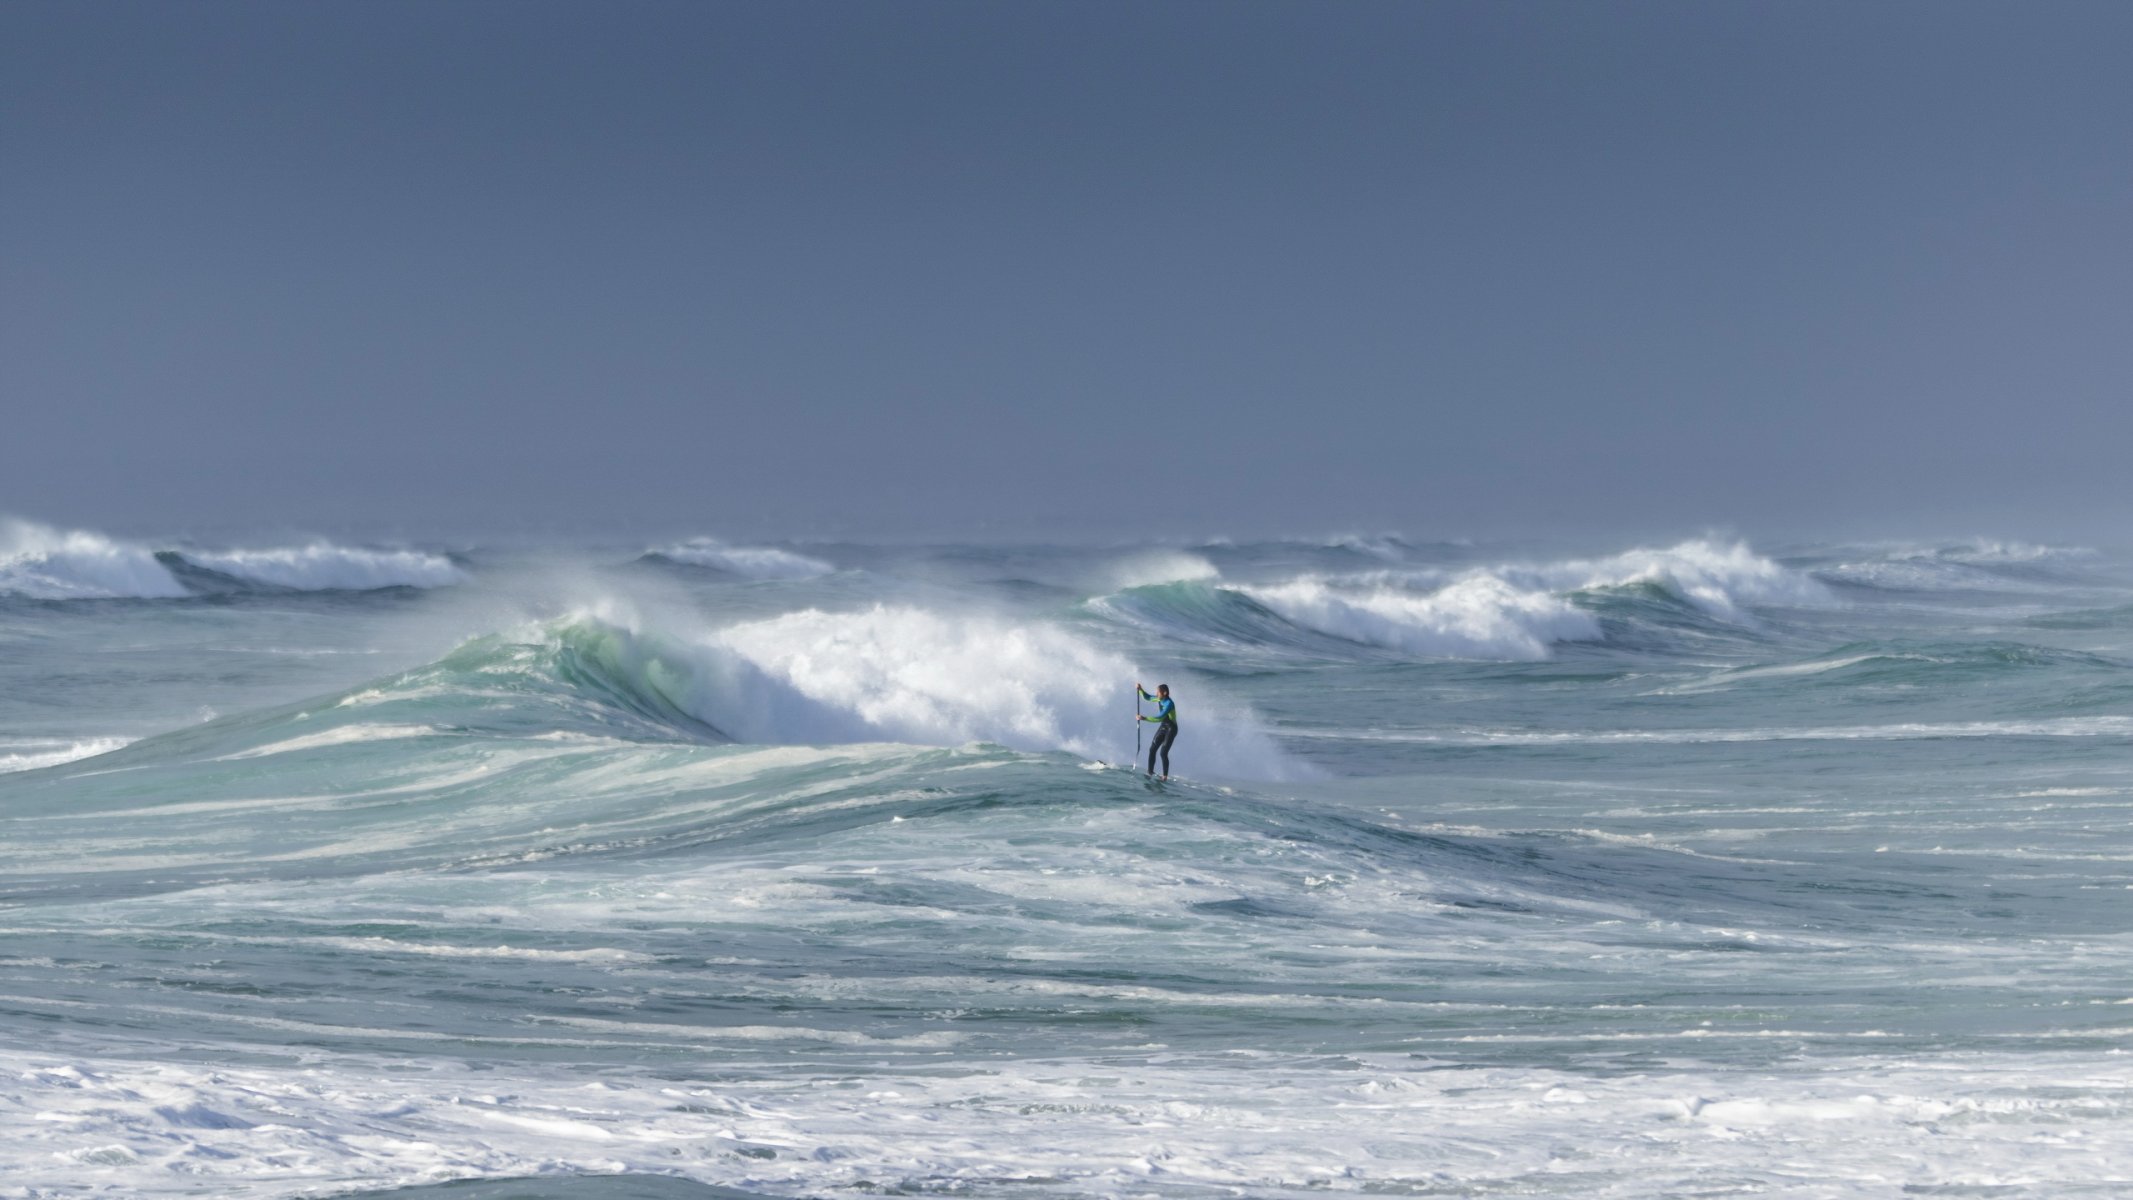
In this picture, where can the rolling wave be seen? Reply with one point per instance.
(1516, 612)
(42, 563)
(1959, 567)
(748, 562)
(880, 675)
(50, 564)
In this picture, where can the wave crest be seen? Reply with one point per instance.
(1722, 579)
(323, 566)
(884, 674)
(50, 564)
(749, 562)
(1478, 616)
(1509, 612)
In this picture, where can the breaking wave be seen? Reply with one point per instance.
(50, 564)
(30, 754)
(323, 566)
(1508, 612)
(749, 562)
(1476, 616)
(884, 674)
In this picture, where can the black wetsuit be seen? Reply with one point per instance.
(1166, 732)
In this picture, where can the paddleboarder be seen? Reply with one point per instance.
(1166, 722)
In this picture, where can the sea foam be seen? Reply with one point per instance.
(1477, 616)
(1520, 611)
(323, 566)
(895, 673)
(51, 564)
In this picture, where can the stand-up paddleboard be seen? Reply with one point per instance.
(1153, 783)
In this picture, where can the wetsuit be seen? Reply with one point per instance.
(1166, 731)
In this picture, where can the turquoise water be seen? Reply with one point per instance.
(1703, 869)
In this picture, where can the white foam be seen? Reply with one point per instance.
(339, 736)
(1240, 1121)
(904, 674)
(754, 562)
(1477, 616)
(1719, 578)
(1519, 611)
(52, 564)
(323, 566)
(31, 754)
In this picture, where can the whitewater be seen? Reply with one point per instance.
(699, 866)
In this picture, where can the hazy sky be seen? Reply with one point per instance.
(1089, 268)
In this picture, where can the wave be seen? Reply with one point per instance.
(1908, 664)
(323, 566)
(30, 754)
(904, 674)
(1478, 616)
(50, 564)
(1987, 550)
(749, 562)
(1977, 566)
(1724, 580)
(883, 674)
(1517, 612)
(43, 563)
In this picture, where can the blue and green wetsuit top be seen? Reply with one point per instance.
(1166, 709)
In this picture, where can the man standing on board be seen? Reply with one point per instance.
(1166, 722)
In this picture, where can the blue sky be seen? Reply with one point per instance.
(1090, 269)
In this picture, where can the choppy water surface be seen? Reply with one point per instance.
(806, 870)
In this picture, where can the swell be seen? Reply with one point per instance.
(1648, 600)
(42, 563)
(745, 562)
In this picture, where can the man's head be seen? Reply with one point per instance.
(1163, 690)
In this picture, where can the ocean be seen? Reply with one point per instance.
(701, 868)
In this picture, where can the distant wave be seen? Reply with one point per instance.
(1722, 579)
(1476, 616)
(1506, 612)
(1966, 566)
(751, 562)
(1989, 550)
(50, 564)
(28, 754)
(323, 566)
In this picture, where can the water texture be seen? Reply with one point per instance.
(696, 868)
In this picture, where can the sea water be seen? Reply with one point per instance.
(681, 869)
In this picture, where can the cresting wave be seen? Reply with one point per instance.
(749, 562)
(882, 674)
(1507, 612)
(30, 754)
(43, 563)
